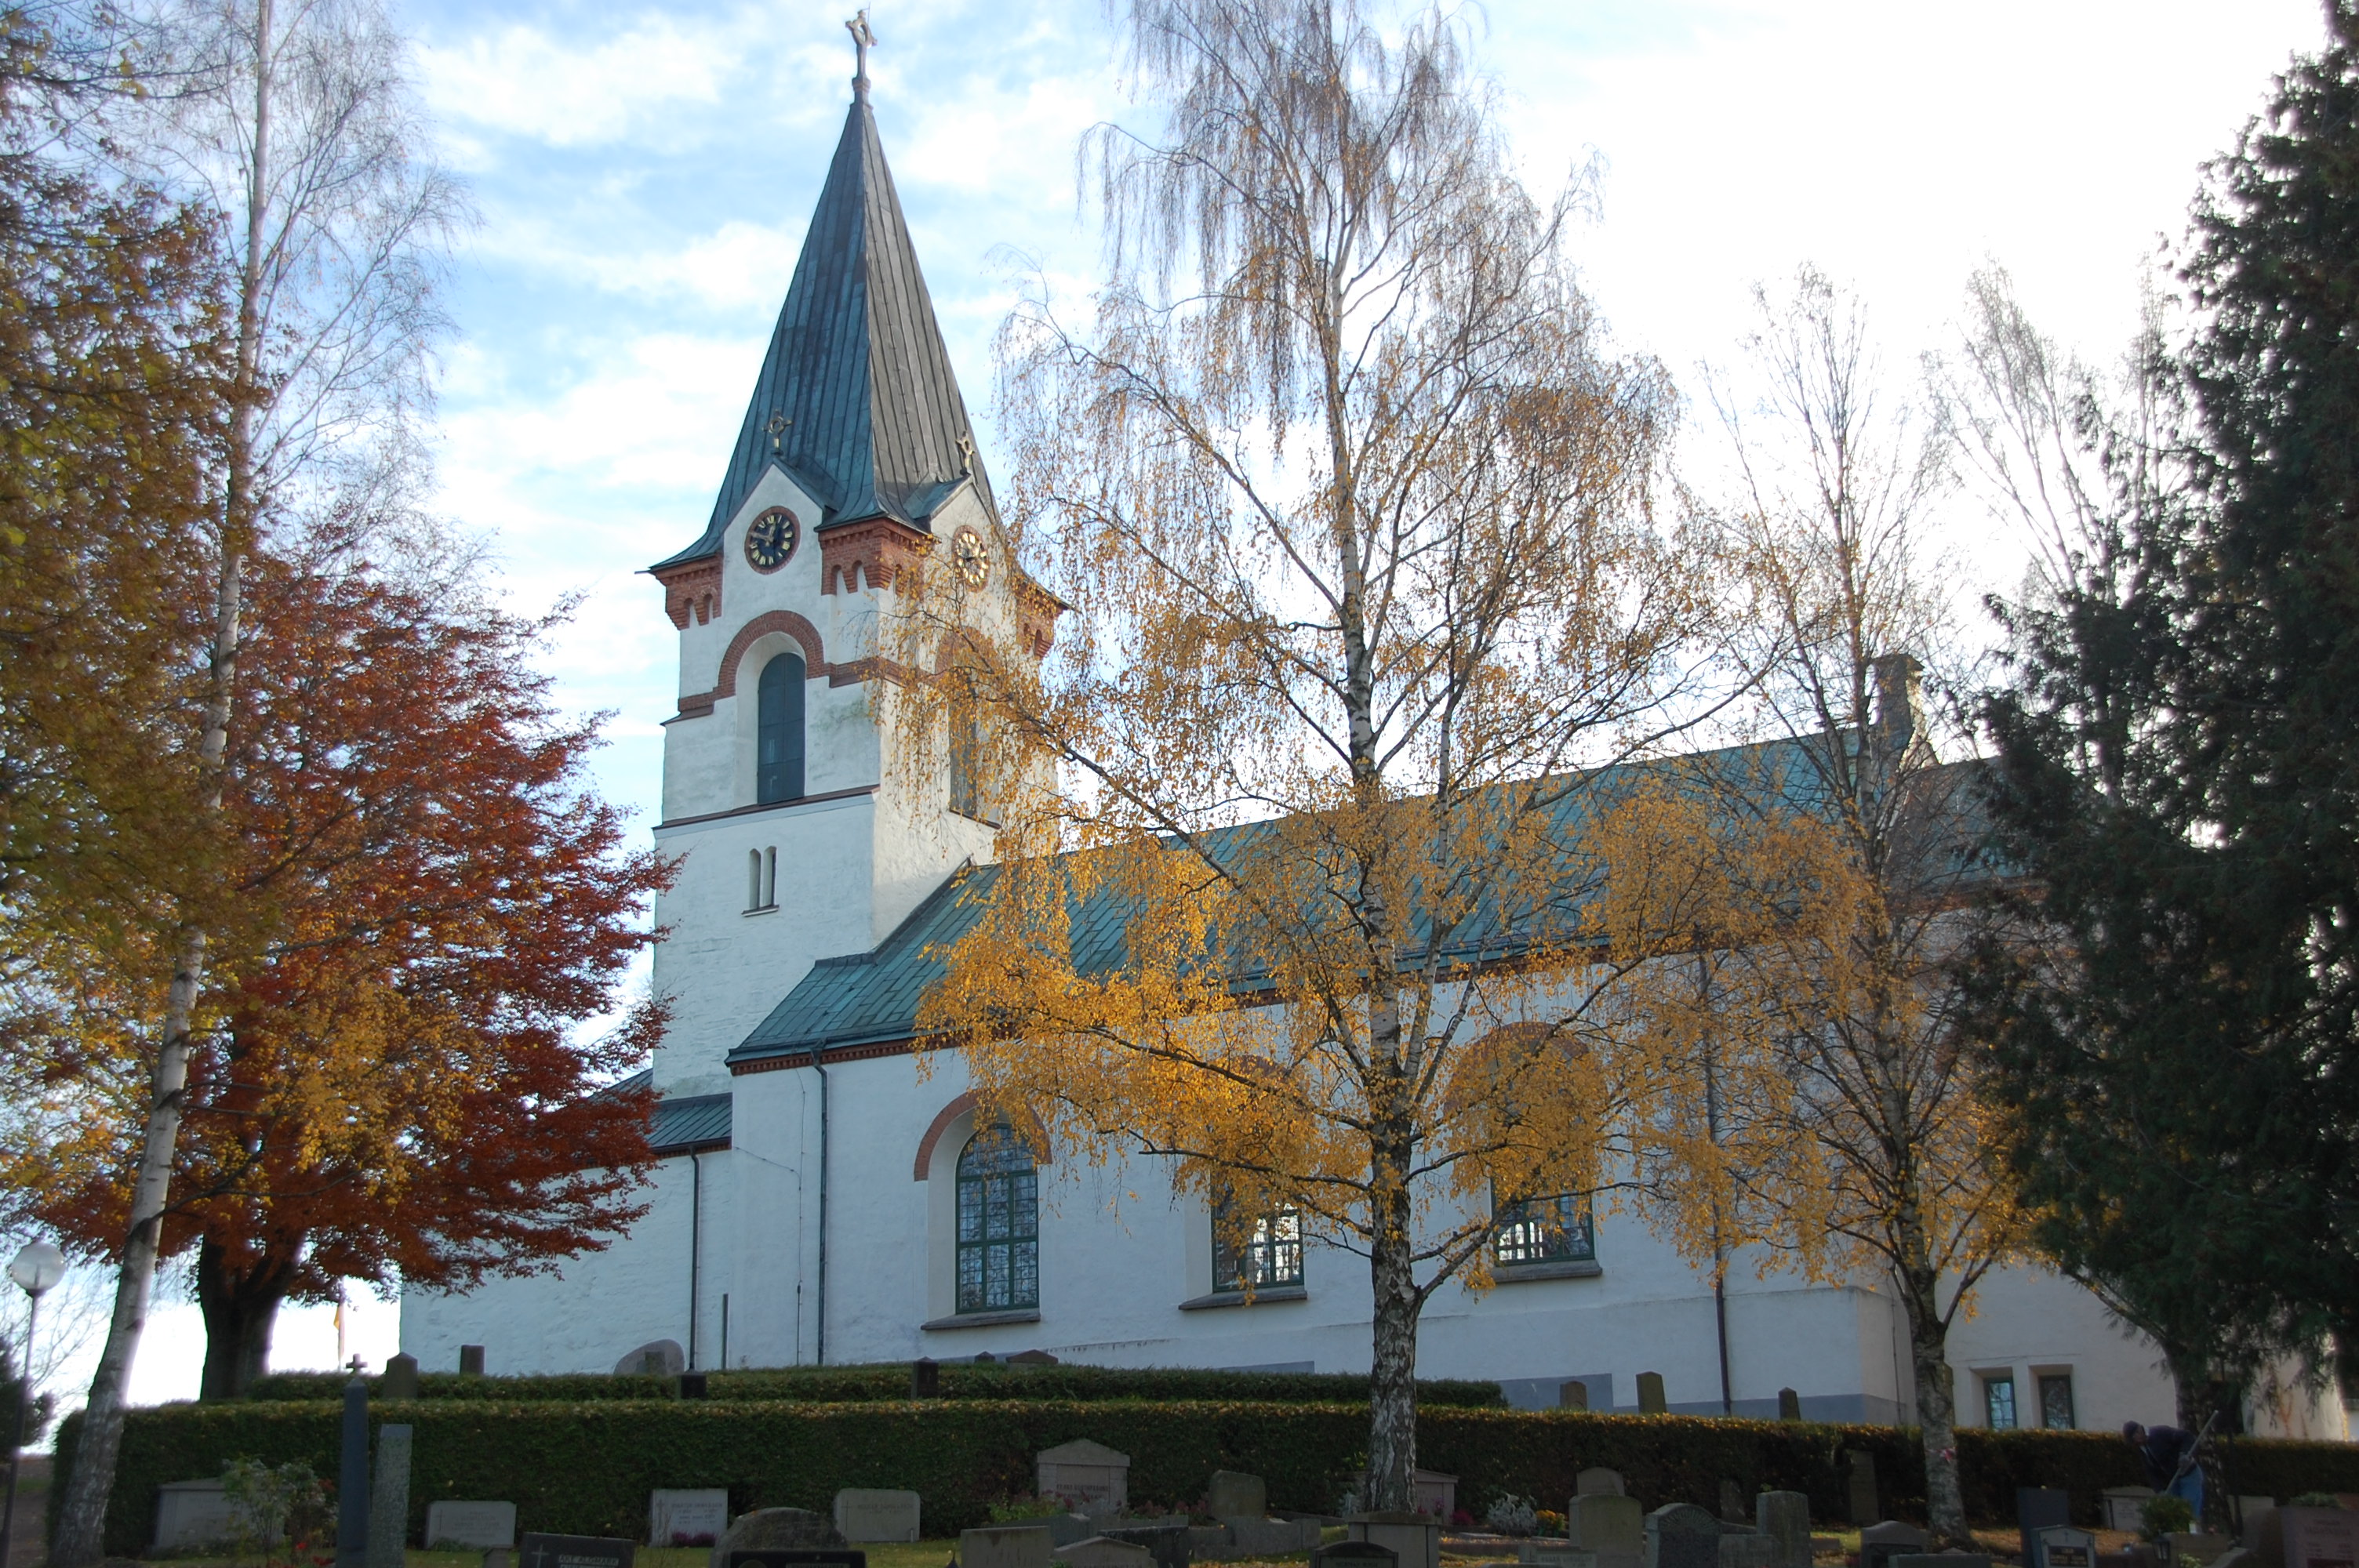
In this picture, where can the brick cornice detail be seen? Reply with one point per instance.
(1041, 1154)
(1035, 616)
(872, 553)
(691, 591)
(807, 635)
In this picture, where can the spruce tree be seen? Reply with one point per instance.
(2177, 780)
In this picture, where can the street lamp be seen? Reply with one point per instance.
(37, 1267)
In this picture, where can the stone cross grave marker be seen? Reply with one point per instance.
(1094, 1478)
(1232, 1494)
(1785, 1519)
(1879, 1544)
(874, 1513)
(1863, 1492)
(687, 1516)
(1681, 1535)
(1650, 1394)
(2061, 1546)
(1004, 1546)
(1598, 1482)
(537, 1551)
(470, 1526)
(2320, 1538)
(2038, 1508)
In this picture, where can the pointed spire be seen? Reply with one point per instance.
(855, 399)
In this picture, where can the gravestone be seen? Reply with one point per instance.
(1091, 1476)
(389, 1494)
(687, 1516)
(1746, 1549)
(470, 1360)
(1732, 1501)
(656, 1358)
(400, 1376)
(1681, 1535)
(1352, 1554)
(1573, 1396)
(2061, 1546)
(1004, 1546)
(925, 1378)
(1032, 1358)
(1864, 1505)
(694, 1385)
(2320, 1538)
(1232, 1494)
(470, 1526)
(1271, 1537)
(1785, 1519)
(1415, 1537)
(2189, 1549)
(2258, 1530)
(1167, 1543)
(1650, 1394)
(868, 1513)
(2038, 1508)
(799, 1557)
(1879, 1544)
(773, 1529)
(1065, 1529)
(190, 1514)
(1434, 1493)
(1097, 1552)
(1612, 1526)
(537, 1551)
(1598, 1482)
(1789, 1405)
(2123, 1506)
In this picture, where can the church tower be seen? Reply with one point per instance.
(798, 837)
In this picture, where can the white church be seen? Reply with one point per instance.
(819, 1200)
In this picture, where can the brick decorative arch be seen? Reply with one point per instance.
(960, 1106)
(814, 652)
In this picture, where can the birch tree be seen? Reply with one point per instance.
(1348, 497)
(1822, 873)
(295, 126)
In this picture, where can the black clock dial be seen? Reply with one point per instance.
(771, 539)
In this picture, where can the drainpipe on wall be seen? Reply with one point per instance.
(695, 1244)
(820, 1066)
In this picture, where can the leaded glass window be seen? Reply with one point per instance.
(1546, 1230)
(2056, 1402)
(778, 736)
(1257, 1256)
(998, 1224)
(1998, 1402)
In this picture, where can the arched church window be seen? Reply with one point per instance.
(998, 1224)
(778, 737)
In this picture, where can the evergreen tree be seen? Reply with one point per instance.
(2179, 779)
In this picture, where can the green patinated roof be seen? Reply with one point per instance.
(872, 998)
(856, 364)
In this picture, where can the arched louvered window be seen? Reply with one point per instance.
(779, 755)
(998, 1224)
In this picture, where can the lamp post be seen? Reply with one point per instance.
(37, 1267)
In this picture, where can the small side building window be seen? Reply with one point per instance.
(2056, 1402)
(1999, 1400)
(1260, 1254)
(1546, 1231)
(761, 880)
(998, 1224)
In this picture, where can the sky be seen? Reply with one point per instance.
(643, 175)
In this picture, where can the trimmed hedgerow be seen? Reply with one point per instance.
(586, 1467)
(835, 1385)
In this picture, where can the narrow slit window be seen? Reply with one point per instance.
(752, 879)
(770, 877)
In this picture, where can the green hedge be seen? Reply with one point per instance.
(835, 1385)
(587, 1467)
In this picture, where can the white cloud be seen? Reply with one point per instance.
(526, 81)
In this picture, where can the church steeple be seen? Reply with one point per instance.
(855, 399)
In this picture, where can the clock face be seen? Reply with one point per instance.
(973, 562)
(771, 539)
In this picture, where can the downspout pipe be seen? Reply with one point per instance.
(695, 1245)
(819, 1064)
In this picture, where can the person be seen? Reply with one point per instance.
(2170, 1465)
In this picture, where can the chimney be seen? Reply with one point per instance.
(1899, 703)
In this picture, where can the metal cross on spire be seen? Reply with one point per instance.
(863, 40)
